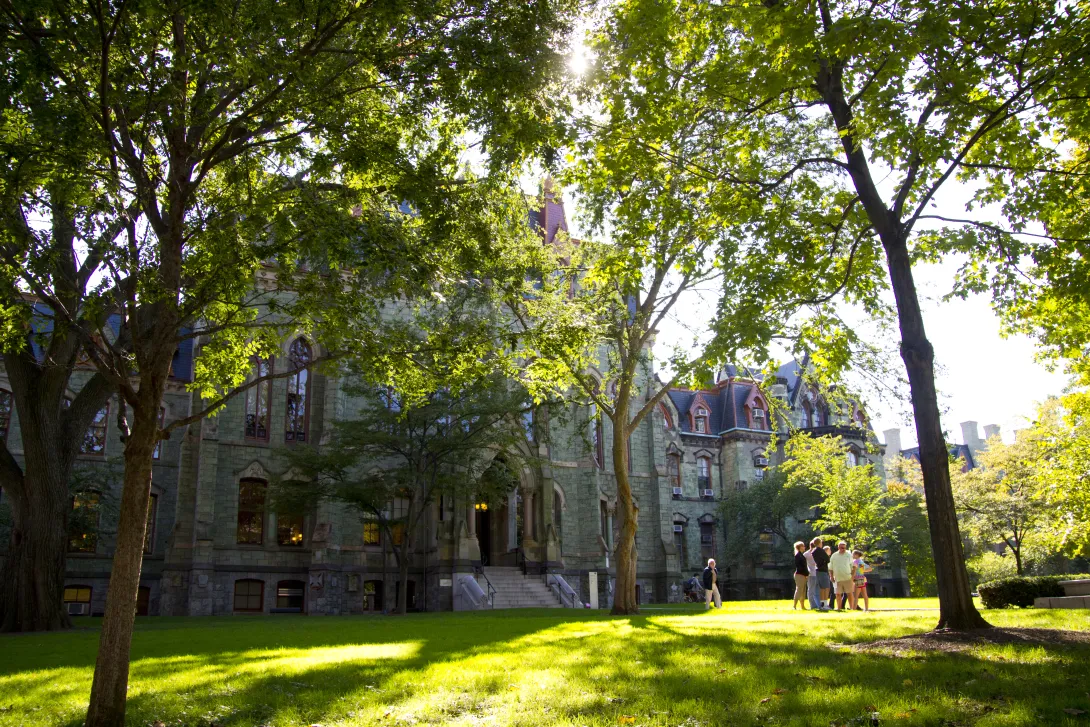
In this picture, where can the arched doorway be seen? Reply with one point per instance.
(498, 515)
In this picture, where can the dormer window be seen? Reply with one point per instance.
(700, 422)
(759, 419)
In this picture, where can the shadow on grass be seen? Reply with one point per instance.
(575, 668)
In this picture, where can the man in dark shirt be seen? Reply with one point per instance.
(822, 560)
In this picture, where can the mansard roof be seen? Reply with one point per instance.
(957, 451)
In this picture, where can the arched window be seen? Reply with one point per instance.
(596, 439)
(667, 420)
(94, 440)
(295, 427)
(5, 413)
(707, 539)
(257, 401)
(249, 595)
(558, 514)
(673, 472)
(155, 453)
(700, 421)
(680, 545)
(289, 529)
(821, 419)
(860, 418)
(289, 596)
(758, 415)
(149, 529)
(852, 457)
(704, 475)
(372, 595)
(251, 512)
(807, 414)
(83, 523)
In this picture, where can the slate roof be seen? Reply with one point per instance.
(726, 406)
(957, 451)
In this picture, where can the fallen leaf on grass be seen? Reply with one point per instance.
(766, 699)
(720, 671)
(1074, 711)
(907, 682)
(906, 715)
(779, 690)
(626, 719)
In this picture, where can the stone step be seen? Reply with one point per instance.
(1064, 602)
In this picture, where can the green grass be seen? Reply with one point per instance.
(665, 667)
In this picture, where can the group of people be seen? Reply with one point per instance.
(819, 573)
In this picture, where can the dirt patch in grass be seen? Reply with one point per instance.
(961, 640)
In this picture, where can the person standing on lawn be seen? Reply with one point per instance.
(840, 565)
(859, 576)
(821, 559)
(711, 586)
(813, 593)
(801, 573)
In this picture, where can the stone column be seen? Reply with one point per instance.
(527, 516)
(471, 520)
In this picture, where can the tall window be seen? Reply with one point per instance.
(558, 516)
(707, 541)
(289, 529)
(807, 414)
(251, 512)
(94, 440)
(372, 533)
(758, 415)
(673, 470)
(603, 515)
(700, 423)
(249, 595)
(528, 424)
(667, 421)
(820, 419)
(679, 545)
(257, 401)
(704, 474)
(5, 413)
(295, 428)
(596, 436)
(83, 523)
(159, 442)
(766, 541)
(149, 530)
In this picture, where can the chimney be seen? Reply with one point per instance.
(893, 442)
(991, 430)
(970, 434)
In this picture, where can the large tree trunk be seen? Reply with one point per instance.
(956, 609)
(624, 553)
(32, 577)
(108, 690)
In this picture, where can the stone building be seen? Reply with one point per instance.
(216, 545)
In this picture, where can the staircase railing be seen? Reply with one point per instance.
(564, 592)
(520, 560)
(490, 591)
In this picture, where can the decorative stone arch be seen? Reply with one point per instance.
(756, 402)
(558, 495)
(680, 518)
(700, 403)
(669, 420)
(253, 471)
(707, 518)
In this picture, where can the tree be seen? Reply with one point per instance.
(1060, 438)
(853, 505)
(912, 544)
(813, 104)
(322, 138)
(997, 499)
(47, 207)
(764, 506)
(397, 459)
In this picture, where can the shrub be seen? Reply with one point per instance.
(1021, 590)
(989, 567)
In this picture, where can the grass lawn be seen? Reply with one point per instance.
(751, 663)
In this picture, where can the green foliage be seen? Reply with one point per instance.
(852, 504)
(997, 499)
(764, 506)
(990, 566)
(396, 457)
(1021, 590)
(1060, 439)
(911, 540)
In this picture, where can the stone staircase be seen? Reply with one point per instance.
(515, 590)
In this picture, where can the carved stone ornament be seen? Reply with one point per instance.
(317, 581)
(321, 533)
(254, 471)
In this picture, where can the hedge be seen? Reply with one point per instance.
(1021, 590)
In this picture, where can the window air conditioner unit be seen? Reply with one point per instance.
(677, 492)
(77, 609)
(679, 528)
(760, 461)
(708, 493)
